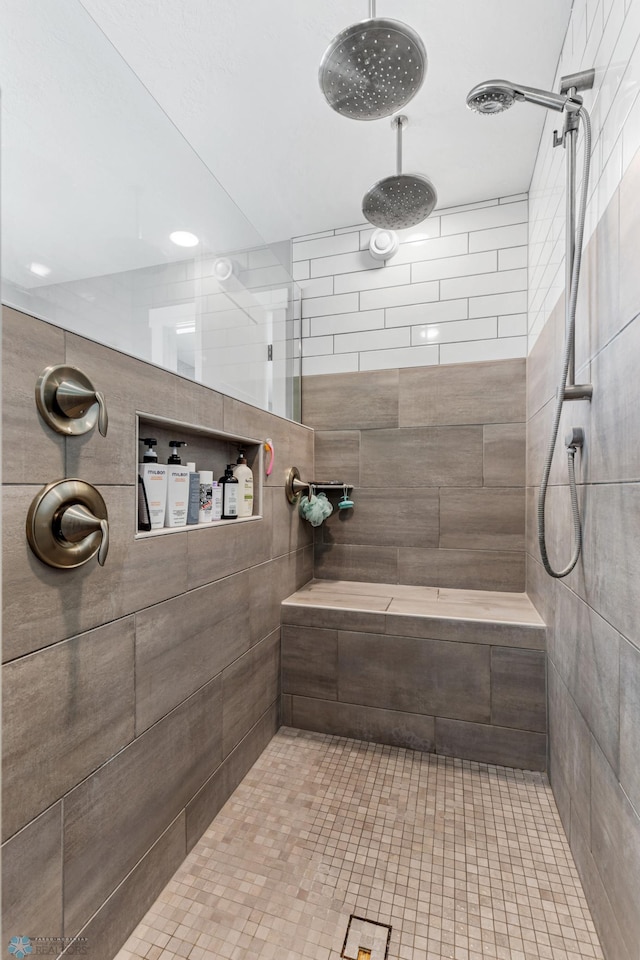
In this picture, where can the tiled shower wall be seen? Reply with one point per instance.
(136, 696)
(593, 615)
(455, 292)
(437, 457)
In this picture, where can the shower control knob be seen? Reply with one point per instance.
(67, 524)
(69, 403)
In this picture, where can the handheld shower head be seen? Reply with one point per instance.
(494, 96)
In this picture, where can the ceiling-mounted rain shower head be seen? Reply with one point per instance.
(495, 96)
(400, 201)
(372, 68)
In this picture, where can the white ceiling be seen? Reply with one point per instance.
(94, 176)
(239, 79)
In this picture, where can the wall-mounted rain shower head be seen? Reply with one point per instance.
(494, 96)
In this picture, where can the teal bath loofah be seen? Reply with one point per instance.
(315, 509)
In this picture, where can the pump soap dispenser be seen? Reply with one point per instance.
(177, 487)
(154, 479)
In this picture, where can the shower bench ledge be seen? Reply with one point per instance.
(460, 673)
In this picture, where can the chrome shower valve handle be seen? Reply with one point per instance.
(68, 524)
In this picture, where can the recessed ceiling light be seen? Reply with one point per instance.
(182, 238)
(40, 269)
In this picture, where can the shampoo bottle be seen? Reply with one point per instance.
(230, 486)
(154, 479)
(244, 477)
(193, 508)
(177, 487)
(205, 499)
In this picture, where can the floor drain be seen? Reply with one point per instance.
(366, 939)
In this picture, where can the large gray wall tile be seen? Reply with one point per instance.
(466, 569)
(388, 517)
(491, 392)
(115, 816)
(109, 928)
(37, 451)
(218, 788)
(432, 677)
(518, 689)
(338, 561)
(614, 435)
(289, 532)
(598, 898)
(422, 456)
(310, 661)
(223, 550)
(337, 454)
(585, 651)
(504, 454)
(630, 721)
(365, 723)
(569, 747)
(615, 844)
(64, 603)
(629, 238)
(249, 686)
(66, 710)
(482, 519)
(351, 401)
(32, 878)
(489, 744)
(184, 642)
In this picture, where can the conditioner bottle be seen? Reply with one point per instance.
(244, 476)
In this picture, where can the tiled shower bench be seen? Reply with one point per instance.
(453, 672)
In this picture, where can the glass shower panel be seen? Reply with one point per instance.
(95, 179)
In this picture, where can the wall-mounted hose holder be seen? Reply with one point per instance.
(294, 486)
(69, 403)
(67, 524)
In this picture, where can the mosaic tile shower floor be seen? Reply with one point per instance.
(464, 860)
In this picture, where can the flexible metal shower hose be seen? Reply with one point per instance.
(569, 341)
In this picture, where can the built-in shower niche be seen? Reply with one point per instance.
(209, 450)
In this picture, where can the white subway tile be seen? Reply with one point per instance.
(463, 266)
(513, 325)
(317, 346)
(373, 340)
(432, 249)
(356, 228)
(441, 312)
(322, 306)
(500, 349)
(513, 258)
(402, 357)
(463, 207)
(344, 263)
(325, 246)
(456, 331)
(496, 237)
(320, 287)
(427, 230)
(313, 236)
(373, 279)
(301, 270)
(399, 296)
(348, 322)
(503, 303)
(499, 215)
(341, 363)
(305, 328)
(484, 284)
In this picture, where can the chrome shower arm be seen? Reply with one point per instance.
(372, 9)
